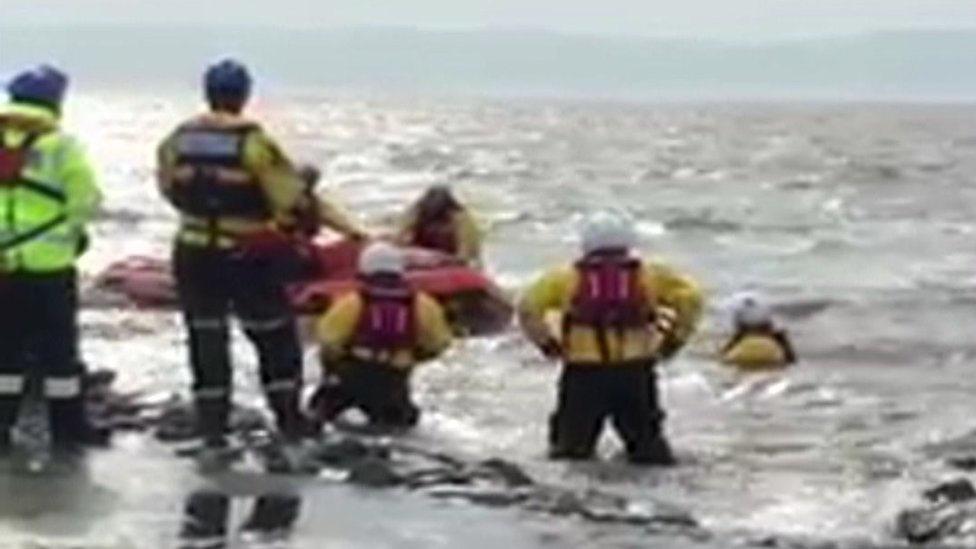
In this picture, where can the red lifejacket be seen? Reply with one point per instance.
(438, 233)
(387, 323)
(15, 159)
(609, 296)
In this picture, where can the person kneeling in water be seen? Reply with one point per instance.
(371, 341)
(757, 341)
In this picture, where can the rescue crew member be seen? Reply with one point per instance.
(315, 210)
(438, 221)
(48, 193)
(300, 260)
(618, 315)
(234, 188)
(372, 340)
(758, 342)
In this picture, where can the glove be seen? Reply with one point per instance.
(551, 348)
(666, 320)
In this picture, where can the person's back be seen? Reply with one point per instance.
(232, 185)
(757, 341)
(48, 193)
(610, 340)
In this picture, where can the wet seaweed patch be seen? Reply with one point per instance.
(378, 461)
(947, 516)
(373, 460)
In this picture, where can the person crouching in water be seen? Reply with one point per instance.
(757, 341)
(438, 221)
(610, 341)
(371, 341)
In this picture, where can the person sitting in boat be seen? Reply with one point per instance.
(757, 342)
(372, 340)
(438, 221)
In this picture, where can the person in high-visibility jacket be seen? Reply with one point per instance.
(757, 342)
(48, 194)
(618, 316)
(233, 188)
(372, 340)
(438, 221)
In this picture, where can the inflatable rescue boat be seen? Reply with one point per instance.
(474, 303)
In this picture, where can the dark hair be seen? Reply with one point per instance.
(436, 203)
(226, 104)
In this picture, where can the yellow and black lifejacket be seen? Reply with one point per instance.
(211, 180)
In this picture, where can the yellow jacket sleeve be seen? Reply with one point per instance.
(337, 325)
(548, 293)
(433, 332)
(470, 236)
(276, 174)
(679, 293)
(83, 193)
(337, 219)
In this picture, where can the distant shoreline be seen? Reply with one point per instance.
(925, 66)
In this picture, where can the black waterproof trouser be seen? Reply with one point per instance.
(625, 393)
(39, 341)
(213, 285)
(380, 391)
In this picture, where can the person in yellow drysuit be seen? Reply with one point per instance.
(757, 341)
(235, 191)
(372, 340)
(438, 221)
(620, 315)
(48, 194)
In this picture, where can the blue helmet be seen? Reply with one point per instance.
(44, 85)
(227, 79)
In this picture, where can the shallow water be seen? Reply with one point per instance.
(857, 220)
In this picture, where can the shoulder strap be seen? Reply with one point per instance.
(24, 237)
(20, 151)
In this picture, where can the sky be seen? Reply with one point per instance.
(751, 19)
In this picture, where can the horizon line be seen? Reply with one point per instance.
(500, 30)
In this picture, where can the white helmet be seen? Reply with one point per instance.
(381, 257)
(607, 231)
(750, 309)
